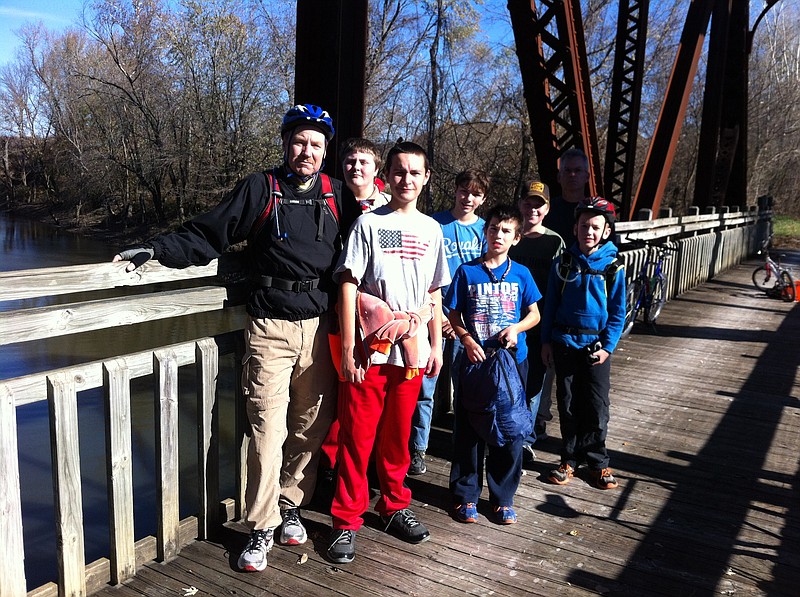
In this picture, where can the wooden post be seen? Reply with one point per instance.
(330, 65)
(207, 371)
(12, 564)
(62, 401)
(165, 370)
(119, 468)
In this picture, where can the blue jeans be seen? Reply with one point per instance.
(538, 401)
(539, 386)
(421, 421)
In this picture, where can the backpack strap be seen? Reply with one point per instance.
(609, 273)
(328, 200)
(564, 265)
(327, 194)
(271, 204)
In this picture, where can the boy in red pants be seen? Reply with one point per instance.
(390, 276)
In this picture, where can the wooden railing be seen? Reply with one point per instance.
(707, 244)
(60, 389)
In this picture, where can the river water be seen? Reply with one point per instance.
(31, 245)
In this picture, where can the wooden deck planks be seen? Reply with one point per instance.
(703, 438)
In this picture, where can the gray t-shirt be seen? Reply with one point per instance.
(400, 258)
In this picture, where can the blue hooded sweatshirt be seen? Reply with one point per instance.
(579, 310)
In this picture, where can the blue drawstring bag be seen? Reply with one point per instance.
(493, 397)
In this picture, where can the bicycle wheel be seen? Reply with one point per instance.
(788, 289)
(658, 297)
(632, 304)
(763, 279)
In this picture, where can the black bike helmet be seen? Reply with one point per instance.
(307, 114)
(599, 206)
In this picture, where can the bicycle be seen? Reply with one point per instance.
(647, 292)
(772, 277)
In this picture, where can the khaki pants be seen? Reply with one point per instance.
(290, 386)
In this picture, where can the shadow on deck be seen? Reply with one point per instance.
(703, 437)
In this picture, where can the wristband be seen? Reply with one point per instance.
(462, 336)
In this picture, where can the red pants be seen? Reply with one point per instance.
(331, 444)
(376, 412)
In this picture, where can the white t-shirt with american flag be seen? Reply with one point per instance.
(400, 258)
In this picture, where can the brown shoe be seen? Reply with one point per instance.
(561, 475)
(603, 479)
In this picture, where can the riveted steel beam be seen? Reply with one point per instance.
(670, 120)
(626, 95)
(555, 75)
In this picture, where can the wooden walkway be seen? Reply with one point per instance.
(704, 438)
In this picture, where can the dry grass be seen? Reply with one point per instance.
(786, 232)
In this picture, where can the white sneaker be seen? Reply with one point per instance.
(292, 530)
(528, 455)
(254, 555)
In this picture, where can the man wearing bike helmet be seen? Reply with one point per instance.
(289, 217)
(584, 313)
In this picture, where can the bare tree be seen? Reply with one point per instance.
(228, 104)
(155, 107)
(774, 105)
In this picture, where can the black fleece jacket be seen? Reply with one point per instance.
(298, 256)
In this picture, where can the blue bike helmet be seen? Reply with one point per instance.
(308, 114)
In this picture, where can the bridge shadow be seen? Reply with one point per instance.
(691, 547)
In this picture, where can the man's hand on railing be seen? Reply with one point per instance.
(137, 255)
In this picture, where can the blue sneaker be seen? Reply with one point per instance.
(505, 515)
(467, 512)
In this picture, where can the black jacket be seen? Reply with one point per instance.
(299, 256)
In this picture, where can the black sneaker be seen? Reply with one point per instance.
(417, 466)
(603, 479)
(342, 548)
(405, 524)
(562, 474)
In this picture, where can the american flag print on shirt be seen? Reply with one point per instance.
(399, 242)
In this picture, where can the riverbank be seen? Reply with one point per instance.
(93, 223)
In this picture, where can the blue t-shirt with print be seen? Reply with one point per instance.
(462, 242)
(489, 304)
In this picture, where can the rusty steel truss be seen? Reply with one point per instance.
(626, 97)
(555, 75)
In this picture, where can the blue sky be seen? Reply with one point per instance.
(56, 15)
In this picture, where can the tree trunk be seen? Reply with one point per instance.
(434, 100)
